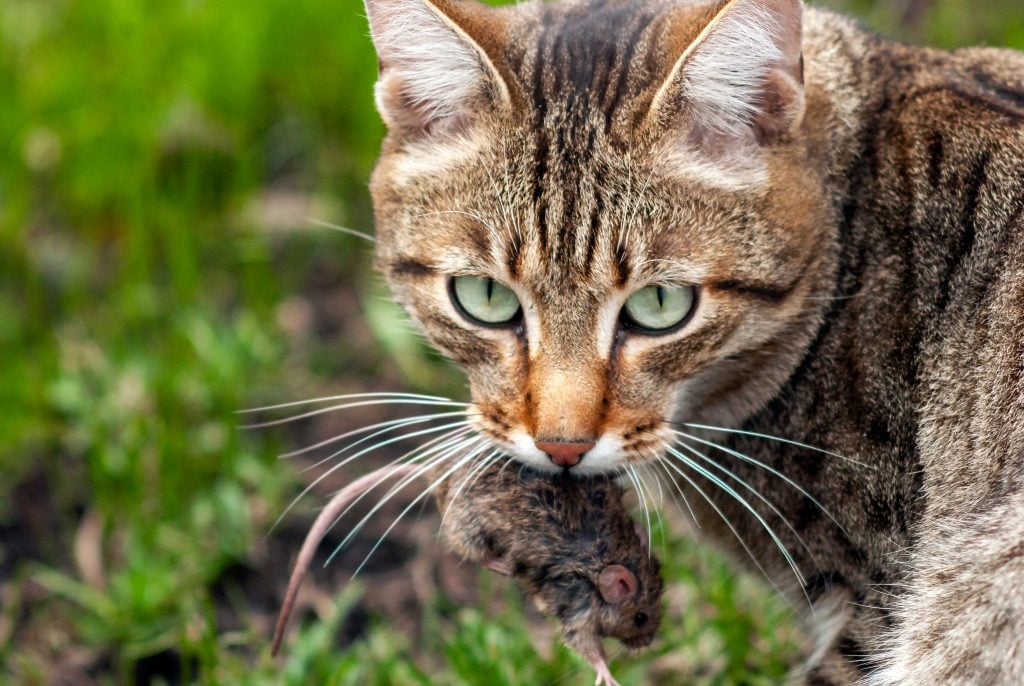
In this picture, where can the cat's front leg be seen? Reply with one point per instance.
(962, 618)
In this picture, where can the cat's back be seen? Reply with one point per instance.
(926, 151)
(948, 142)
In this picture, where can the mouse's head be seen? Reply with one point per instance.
(630, 608)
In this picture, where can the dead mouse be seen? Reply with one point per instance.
(570, 543)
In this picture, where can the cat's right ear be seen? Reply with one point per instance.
(437, 63)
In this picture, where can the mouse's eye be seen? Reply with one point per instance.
(640, 618)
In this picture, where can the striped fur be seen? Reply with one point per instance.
(852, 211)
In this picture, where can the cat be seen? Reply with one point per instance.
(685, 237)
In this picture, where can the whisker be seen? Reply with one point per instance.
(438, 456)
(395, 423)
(426, 454)
(657, 482)
(455, 426)
(725, 520)
(752, 490)
(342, 229)
(777, 439)
(661, 500)
(345, 396)
(658, 460)
(321, 525)
(635, 478)
(768, 468)
(437, 482)
(396, 439)
(498, 455)
(469, 479)
(445, 445)
(348, 406)
(745, 504)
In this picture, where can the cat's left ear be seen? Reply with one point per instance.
(739, 83)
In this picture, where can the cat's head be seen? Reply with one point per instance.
(606, 212)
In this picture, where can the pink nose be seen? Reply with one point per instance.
(563, 453)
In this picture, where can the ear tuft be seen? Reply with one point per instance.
(433, 73)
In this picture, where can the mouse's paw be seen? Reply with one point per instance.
(496, 564)
(604, 675)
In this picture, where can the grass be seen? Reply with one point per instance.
(157, 273)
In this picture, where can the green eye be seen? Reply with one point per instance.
(483, 300)
(659, 309)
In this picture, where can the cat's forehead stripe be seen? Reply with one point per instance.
(587, 54)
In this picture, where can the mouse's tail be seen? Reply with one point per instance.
(324, 521)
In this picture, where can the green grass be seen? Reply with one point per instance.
(157, 162)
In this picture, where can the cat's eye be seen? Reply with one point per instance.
(482, 300)
(659, 309)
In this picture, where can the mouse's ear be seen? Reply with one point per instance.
(617, 584)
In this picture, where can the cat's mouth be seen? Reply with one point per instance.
(640, 442)
(609, 454)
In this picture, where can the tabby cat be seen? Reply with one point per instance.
(631, 221)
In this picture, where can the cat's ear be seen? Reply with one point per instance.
(739, 83)
(435, 68)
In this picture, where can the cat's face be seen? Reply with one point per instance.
(601, 250)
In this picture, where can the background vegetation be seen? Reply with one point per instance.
(158, 163)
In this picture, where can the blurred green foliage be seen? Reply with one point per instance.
(158, 161)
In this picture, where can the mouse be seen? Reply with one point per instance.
(569, 542)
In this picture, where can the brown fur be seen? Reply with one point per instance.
(856, 242)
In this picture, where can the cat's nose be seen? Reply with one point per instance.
(565, 453)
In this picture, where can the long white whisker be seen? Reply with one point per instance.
(768, 468)
(644, 470)
(439, 456)
(757, 494)
(396, 439)
(743, 502)
(416, 500)
(658, 460)
(635, 478)
(725, 520)
(342, 229)
(346, 396)
(777, 439)
(455, 426)
(470, 478)
(396, 423)
(431, 453)
(495, 457)
(348, 406)
(657, 482)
